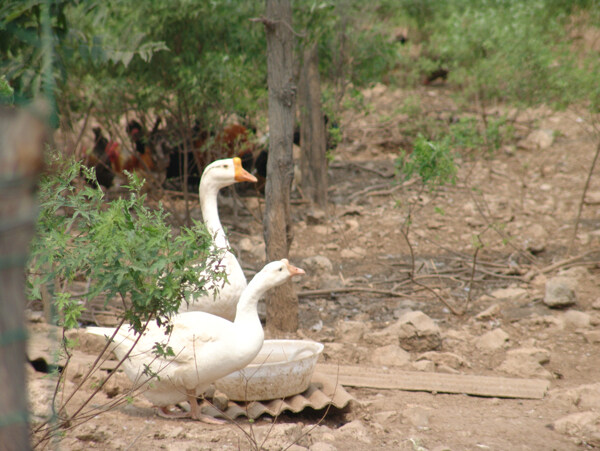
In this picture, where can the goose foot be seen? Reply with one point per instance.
(196, 413)
(209, 420)
(166, 412)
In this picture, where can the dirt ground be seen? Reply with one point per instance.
(521, 200)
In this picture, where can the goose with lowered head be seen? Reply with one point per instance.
(206, 347)
(217, 175)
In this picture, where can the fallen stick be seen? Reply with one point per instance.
(307, 293)
(567, 261)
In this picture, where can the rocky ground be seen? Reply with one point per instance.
(528, 310)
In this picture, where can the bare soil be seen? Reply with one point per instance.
(520, 200)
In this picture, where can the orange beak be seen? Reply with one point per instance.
(241, 175)
(294, 271)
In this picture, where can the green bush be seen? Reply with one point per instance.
(432, 161)
(123, 249)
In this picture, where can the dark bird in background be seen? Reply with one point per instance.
(100, 160)
(439, 74)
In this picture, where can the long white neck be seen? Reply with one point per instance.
(210, 213)
(247, 305)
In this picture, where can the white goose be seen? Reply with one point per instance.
(217, 175)
(206, 346)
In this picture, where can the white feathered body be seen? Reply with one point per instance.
(221, 298)
(206, 348)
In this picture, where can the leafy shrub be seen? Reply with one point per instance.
(432, 161)
(121, 248)
(467, 134)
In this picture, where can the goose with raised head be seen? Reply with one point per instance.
(206, 347)
(218, 175)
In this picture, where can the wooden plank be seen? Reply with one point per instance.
(500, 387)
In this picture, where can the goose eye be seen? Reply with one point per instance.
(280, 269)
(226, 166)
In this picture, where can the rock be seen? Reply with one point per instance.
(576, 272)
(585, 396)
(524, 368)
(537, 140)
(592, 197)
(255, 248)
(526, 362)
(315, 217)
(317, 264)
(576, 320)
(492, 340)
(383, 417)
(535, 238)
(418, 416)
(509, 293)
(117, 384)
(492, 312)
(355, 430)
(538, 355)
(583, 425)
(342, 352)
(414, 331)
(88, 343)
(322, 446)
(319, 229)
(596, 304)
(424, 365)
(296, 447)
(448, 359)
(592, 336)
(351, 224)
(560, 292)
(355, 252)
(350, 331)
(392, 355)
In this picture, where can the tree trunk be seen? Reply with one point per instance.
(313, 162)
(20, 163)
(282, 302)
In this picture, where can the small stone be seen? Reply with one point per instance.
(317, 264)
(509, 293)
(448, 359)
(315, 217)
(524, 368)
(418, 416)
(355, 252)
(492, 312)
(592, 336)
(538, 355)
(414, 331)
(350, 331)
(596, 304)
(319, 229)
(424, 365)
(576, 320)
(392, 355)
(537, 140)
(560, 292)
(322, 446)
(582, 425)
(296, 447)
(492, 340)
(255, 248)
(383, 417)
(356, 430)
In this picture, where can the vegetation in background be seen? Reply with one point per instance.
(432, 161)
(121, 249)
